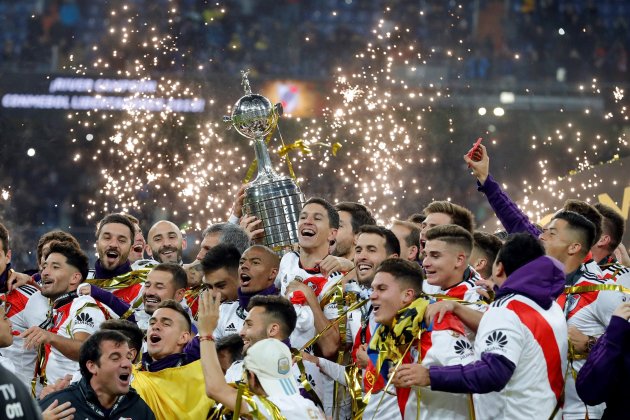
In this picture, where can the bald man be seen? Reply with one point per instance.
(165, 242)
(257, 271)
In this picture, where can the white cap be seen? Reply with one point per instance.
(270, 359)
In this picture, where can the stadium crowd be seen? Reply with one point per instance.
(585, 38)
(428, 319)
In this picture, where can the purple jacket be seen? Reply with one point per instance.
(510, 216)
(541, 280)
(604, 376)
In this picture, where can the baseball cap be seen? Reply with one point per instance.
(270, 360)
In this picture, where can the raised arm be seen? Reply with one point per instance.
(510, 216)
(216, 386)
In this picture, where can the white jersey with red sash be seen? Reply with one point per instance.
(445, 345)
(465, 290)
(590, 313)
(25, 307)
(535, 340)
(291, 269)
(81, 314)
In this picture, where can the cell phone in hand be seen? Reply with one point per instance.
(475, 152)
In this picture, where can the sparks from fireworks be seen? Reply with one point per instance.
(382, 132)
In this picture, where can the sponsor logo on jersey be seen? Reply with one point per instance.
(85, 319)
(311, 380)
(496, 340)
(463, 347)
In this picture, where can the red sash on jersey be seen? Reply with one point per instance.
(577, 301)
(61, 315)
(316, 283)
(544, 336)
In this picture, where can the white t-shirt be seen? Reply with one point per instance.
(292, 407)
(535, 340)
(590, 313)
(80, 315)
(25, 307)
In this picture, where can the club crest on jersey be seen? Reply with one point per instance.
(497, 340)
(572, 302)
(58, 319)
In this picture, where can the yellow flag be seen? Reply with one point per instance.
(174, 393)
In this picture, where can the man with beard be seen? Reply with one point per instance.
(351, 217)
(257, 270)
(166, 242)
(164, 281)
(114, 237)
(74, 318)
(103, 391)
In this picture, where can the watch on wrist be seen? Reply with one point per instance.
(590, 343)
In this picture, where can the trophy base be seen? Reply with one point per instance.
(278, 204)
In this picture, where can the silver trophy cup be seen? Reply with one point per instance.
(272, 198)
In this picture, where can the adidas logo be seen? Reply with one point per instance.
(84, 319)
(230, 327)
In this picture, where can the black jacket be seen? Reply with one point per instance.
(15, 399)
(84, 400)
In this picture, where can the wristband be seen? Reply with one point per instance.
(206, 338)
